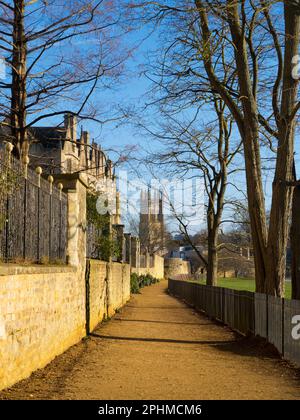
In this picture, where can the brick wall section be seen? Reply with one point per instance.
(42, 315)
(109, 287)
(114, 288)
(126, 283)
(43, 312)
(157, 270)
(98, 292)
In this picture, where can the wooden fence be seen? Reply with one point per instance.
(246, 312)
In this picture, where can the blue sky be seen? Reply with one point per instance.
(131, 91)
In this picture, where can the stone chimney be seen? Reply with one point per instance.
(86, 142)
(118, 209)
(108, 169)
(86, 137)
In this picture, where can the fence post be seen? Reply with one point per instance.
(254, 320)
(267, 317)
(75, 187)
(223, 304)
(39, 172)
(50, 180)
(282, 324)
(135, 252)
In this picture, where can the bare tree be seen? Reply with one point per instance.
(56, 52)
(269, 244)
(192, 147)
(191, 151)
(260, 40)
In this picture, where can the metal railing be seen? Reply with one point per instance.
(33, 215)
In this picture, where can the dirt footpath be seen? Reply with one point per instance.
(158, 348)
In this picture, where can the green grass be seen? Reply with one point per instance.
(245, 284)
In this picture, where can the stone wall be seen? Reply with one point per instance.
(97, 293)
(175, 266)
(44, 311)
(109, 290)
(118, 287)
(155, 268)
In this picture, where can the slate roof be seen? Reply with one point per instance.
(50, 137)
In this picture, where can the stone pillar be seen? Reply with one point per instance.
(118, 209)
(147, 259)
(121, 241)
(128, 248)
(135, 252)
(75, 188)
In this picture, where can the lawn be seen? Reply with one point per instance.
(245, 284)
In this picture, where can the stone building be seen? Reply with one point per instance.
(151, 226)
(60, 150)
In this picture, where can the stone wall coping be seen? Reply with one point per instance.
(175, 259)
(14, 269)
(95, 261)
(69, 180)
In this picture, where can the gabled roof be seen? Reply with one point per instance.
(50, 137)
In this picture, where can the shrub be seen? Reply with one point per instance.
(134, 283)
(138, 282)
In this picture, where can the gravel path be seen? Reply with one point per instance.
(158, 348)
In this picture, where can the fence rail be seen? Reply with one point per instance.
(247, 312)
(33, 216)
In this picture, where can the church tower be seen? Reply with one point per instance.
(151, 226)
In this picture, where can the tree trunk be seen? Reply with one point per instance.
(295, 244)
(282, 193)
(256, 205)
(212, 243)
(250, 136)
(212, 267)
(269, 247)
(18, 90)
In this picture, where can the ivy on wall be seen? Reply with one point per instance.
(105, 245)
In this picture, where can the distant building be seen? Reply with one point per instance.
(151, 226)
(185, 252)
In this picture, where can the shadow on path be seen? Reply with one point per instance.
(164, 322)
(162, 340)
(194, 359)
